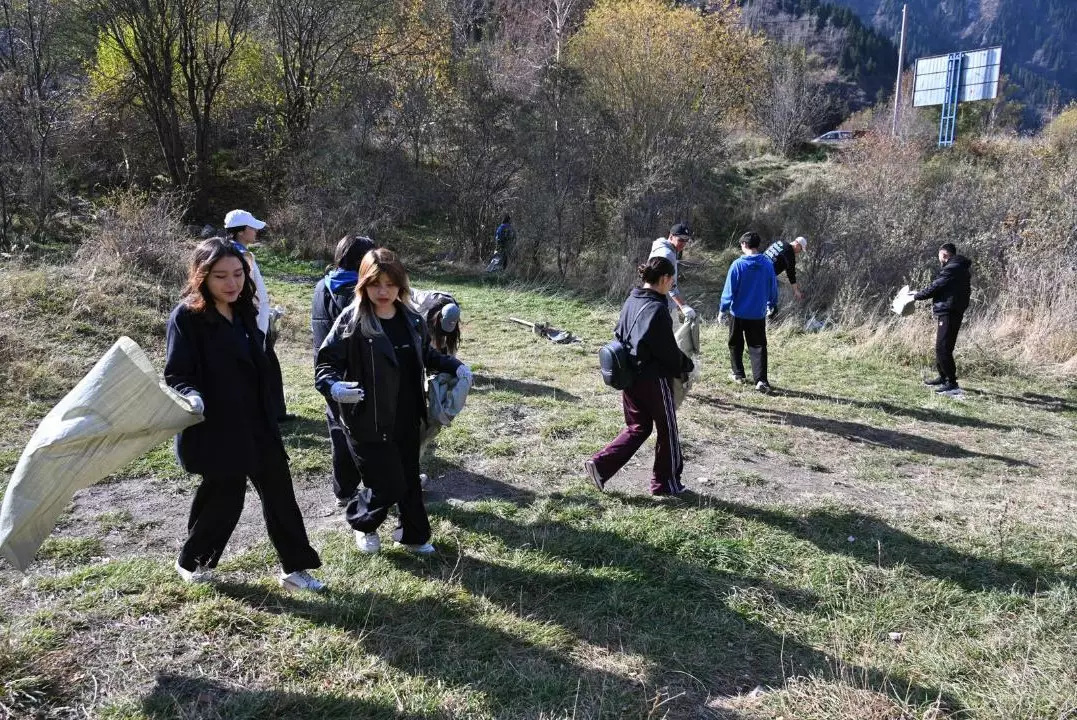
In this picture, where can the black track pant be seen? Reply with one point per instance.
(945, 339)
(346, 477)
(391, 477)
(218, 503)
(755, 333)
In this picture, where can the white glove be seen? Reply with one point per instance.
(464, 373)
(197, 405)
(723, 317)
(347, 392)
(770, 311)
(688, 312)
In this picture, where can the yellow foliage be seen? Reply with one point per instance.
(643, 59)
(251, 77)
(1063, 129)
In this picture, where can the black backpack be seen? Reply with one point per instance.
(614, 361)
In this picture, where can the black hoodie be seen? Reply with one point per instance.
(646, 325)
(952, 288)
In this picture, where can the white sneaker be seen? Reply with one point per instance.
(300, 580)
(423, 479)
(201, 575)
(424, 549)
(592, 472)
(368, 543)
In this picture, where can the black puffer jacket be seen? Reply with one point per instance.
(371, 361)
(646, 325)
(952, 289)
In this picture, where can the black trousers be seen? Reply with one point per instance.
(945, 340)
(391, 477)
(346, 477)
(276, 379)
(218, 503)
(755, 333)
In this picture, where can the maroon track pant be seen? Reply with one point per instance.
(647, 403)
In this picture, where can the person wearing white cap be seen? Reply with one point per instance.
(243, 228)
(784, 257)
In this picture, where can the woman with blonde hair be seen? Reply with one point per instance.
(373, 367)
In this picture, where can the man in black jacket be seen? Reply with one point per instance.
(950, 292)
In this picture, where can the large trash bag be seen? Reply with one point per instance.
(119, 411)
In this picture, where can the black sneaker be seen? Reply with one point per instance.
(948, 386)
(937, 381)
(592, 472)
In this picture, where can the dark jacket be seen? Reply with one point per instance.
(784, 258)
(332, 294)
(952, 288)
(645, 324)
(205, 356)
(371, 361)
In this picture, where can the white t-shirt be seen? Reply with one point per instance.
(663, 248)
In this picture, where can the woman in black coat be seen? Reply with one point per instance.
(373, 367)
(332, 295)
(216, 358)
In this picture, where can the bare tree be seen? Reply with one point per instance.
(209, 34)
(178, 53)
(792, 101)
(31, 100)
(326, 43)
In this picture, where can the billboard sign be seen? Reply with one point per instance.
(979, 75)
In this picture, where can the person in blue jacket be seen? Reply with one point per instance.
(216, 358)
(332, 295)
(750, 294)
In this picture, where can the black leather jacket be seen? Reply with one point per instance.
(952, 288)
(371, 361)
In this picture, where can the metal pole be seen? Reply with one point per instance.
(901, 66)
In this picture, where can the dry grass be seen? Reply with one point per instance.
(548, 600)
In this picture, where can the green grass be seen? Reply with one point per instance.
(853, 505)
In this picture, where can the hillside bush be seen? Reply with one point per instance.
(878, 218)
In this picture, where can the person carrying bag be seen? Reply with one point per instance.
(651, 359)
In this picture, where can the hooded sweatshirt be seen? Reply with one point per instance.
(332, 294)
(646, 326)
(750, 288)
(952, 288)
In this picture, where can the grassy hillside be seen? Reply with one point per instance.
(851, 547)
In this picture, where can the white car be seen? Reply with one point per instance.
(835, 137)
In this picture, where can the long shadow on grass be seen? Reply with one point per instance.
(678, 598)
(867, 434)
(878, 543)
(1035, 401)
(179, 696)
(521, 387)
(446, 637)
(920, 414)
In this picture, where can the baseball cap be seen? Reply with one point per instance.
(450, 317)
(242, 218)
(802, 242)
(680, 230)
